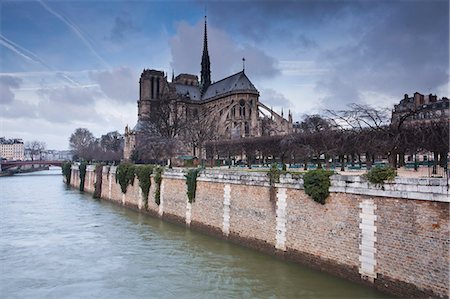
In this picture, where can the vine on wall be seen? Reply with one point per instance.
(158, 171)
(143, 173)
(274, 177)
(125, 175)
(191, 182)
(98, 181)
(66, 169)
(317, 184)
(82, 168)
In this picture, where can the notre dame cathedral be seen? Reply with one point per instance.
(231, 104)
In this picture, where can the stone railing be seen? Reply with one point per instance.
(434, 189)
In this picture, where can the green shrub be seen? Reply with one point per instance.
(66, 169)
(158, 179)
(125, 175)
(378, 174)
(191, 182)
(274, 174)
(82, 168)
(143, 172)
(317, 184)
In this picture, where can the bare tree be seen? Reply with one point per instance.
(158, 137)
(81, 142)
(35, 149)
(202, 127)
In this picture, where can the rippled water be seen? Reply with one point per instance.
(59, 243)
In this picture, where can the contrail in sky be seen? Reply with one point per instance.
(28, 55)
(76, 30)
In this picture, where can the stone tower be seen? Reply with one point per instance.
(151, 85)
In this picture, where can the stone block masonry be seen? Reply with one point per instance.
(395, 238)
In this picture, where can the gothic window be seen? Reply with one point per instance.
(242, 108)
(247, 129)
(157, 87)
(151, 86)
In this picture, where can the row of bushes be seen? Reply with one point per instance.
(126, 172)
(315, 182)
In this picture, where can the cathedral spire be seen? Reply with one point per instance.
(206, 66)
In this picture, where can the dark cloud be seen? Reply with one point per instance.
(121, 84)
(226, 56)
(7, 83)
(271, 97)
(406, 50)
(260, 19)
(123, 25)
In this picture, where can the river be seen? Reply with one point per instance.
(59, 243)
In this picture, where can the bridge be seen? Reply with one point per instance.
(11, 164)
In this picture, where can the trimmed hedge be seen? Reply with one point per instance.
(378, 174)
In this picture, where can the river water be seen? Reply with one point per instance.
(59, 243)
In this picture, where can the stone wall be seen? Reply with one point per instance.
(393, 237)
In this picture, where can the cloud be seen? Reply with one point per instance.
(405, 51)
(123, 25)
(225, 54)
(18, 110)
(271, 97)
(120, 84)
(66, 112)
(70, 95)
(57, 105)
(261, 21)
(6, 84)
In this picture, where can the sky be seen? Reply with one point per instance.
(71, 64)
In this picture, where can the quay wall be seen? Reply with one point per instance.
(393, 237)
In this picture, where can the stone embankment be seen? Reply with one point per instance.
(393, 237)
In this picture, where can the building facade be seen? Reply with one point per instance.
(230, 106)
(12, 149)
(420, 109)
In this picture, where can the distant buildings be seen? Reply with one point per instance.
(420, 109)
(56, 155)
(11, 149)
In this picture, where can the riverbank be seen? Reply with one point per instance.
(393, 238)
(57, 242)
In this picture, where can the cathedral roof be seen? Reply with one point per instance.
(236, 82)
(192, 91)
